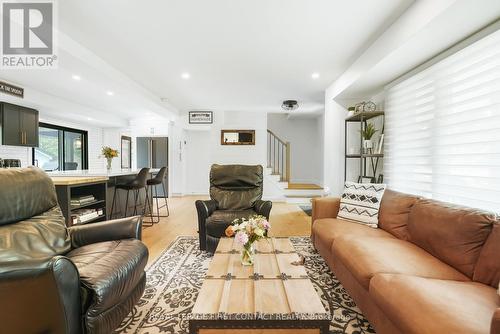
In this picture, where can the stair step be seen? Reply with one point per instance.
(303, 186)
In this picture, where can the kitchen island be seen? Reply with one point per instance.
(77, 184)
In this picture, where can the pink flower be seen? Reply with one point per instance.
(241, 237)
(266, 225)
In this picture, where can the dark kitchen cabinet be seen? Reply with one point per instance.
(19, 125)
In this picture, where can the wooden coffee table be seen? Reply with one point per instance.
(272, 296)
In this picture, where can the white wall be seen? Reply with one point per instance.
(239, 154)
(177, 159)
(198, 161)
(306, 142)
(333, 147)
(16, 152)
(203, 148)
(112, 138)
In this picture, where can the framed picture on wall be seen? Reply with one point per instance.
(201, 117)
(126, 152)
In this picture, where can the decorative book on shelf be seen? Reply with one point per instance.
(82, 216)
(82, 200)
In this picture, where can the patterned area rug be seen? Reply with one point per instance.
(174, 279)
(307, 208)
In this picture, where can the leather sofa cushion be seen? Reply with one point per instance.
(424, 305)
(39, 237)
(109, 272)
(236, 187)
(217, 223)
(454, 234)
(326, 230)
(394, 211)
(365, 257)
(487, 269)
(24, 193)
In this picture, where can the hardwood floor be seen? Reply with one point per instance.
(286, 220)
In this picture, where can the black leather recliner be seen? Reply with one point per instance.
(235, 192)
(54, 279)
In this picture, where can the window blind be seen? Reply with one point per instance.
(442, 129)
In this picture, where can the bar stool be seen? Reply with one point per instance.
(152, 184)
(135, 185)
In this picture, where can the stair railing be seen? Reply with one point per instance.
(278, 156)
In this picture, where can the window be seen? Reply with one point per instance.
(61, 148)
(443, 129)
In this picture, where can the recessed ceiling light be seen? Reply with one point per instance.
(76, 77)
(315, 75)
(90, 119)
(185, 76)
(110, 93)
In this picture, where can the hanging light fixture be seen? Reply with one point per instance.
(290, 105)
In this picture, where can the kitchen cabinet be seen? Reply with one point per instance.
(19, 125)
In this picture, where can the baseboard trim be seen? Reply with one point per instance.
(277, 199)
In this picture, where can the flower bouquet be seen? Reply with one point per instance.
(246, 232)
(109, 154)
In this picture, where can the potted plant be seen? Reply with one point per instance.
(109, 154)
(368, 132)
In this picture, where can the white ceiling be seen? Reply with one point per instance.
(461, 19)
(55, 93)
(242, 55)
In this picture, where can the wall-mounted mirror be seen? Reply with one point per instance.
(237, 137)
(126, 152)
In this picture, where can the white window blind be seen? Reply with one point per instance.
(443, 129)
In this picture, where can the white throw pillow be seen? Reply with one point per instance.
(360, 202)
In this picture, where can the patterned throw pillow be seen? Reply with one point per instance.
(360, 202)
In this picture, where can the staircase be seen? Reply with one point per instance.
(278, 171)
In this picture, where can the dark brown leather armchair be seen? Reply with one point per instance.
(53, 279)
(235, 192)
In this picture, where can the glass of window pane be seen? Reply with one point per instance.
(47, 154)
(73, 143)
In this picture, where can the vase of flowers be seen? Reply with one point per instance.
(109, 154)
(247, 232)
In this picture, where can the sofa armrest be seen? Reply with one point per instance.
(263, 208)
(205, 210)
(40, 296)
(495, 322)
(325, 207)
(125, 228)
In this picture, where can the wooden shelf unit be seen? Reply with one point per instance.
(94, 187)
(362, 119)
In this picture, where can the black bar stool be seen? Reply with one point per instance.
(135, 185)
(152, 184)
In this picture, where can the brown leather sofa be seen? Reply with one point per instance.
(235, 192)
(430, 267)
(53, 279)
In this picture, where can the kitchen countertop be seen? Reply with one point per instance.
(70, 180)
(97, 173)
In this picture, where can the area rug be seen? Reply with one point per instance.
(174, 279)
(307, 208)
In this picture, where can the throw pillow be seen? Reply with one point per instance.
(360, 203)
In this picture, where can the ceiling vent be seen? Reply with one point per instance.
(290, 105)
